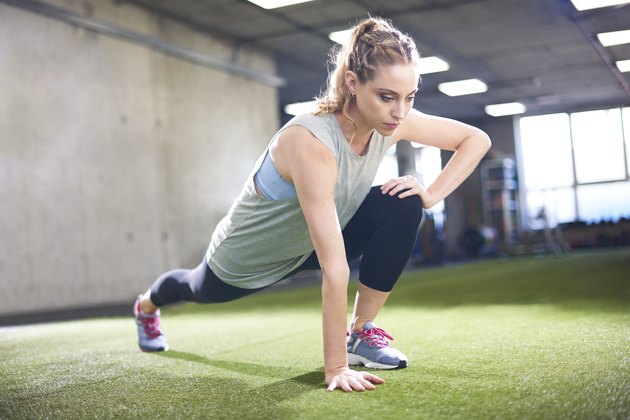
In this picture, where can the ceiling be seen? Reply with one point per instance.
(542, 53)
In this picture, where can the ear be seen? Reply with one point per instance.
(351, 80)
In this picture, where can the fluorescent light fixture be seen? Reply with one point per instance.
(596, 4)
(546, 100)
(275, 4)
(463, 87)
(300, 108)
(432, 65)
(510, 108)
(623, 65)
(608, 39)
(340, 37)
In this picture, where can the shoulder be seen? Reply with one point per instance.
(304, 141)
(301, 130)
(321, 126)
(300, 143)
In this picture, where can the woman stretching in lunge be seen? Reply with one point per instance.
(308, 204)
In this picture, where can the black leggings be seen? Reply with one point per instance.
(382, 232)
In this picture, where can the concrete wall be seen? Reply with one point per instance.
(116, 161)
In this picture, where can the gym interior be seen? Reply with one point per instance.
(127, 128)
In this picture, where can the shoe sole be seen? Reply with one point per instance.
(148, 350)
(355, 359)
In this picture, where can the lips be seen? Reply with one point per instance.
(391, 126)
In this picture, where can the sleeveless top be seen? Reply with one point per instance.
(260, 240)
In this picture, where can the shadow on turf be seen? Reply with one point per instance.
(235, 398)
(308, 381)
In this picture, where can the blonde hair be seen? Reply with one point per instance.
(373, 41)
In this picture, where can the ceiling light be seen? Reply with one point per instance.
(300, 108)
(596, 4)
(432, 65)
(609, 39)
(340, 37)
(500, 110)
(275, 4)
(546, 100)
(623, 65)
(463, 87)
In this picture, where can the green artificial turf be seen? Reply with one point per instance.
(527, 338)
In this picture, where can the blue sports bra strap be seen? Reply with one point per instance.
(270, 184)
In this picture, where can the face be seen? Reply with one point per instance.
(385, 101)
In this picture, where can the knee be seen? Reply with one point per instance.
(407, 210)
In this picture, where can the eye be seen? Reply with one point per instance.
(411, 98)
(386, 98)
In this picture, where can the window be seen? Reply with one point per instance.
(546, 151)
(559, 205)
(576, 166)
(598, 146)
(626, 135)
(598, 202)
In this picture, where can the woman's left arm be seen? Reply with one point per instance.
(470, 144)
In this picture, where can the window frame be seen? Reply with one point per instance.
(527, 220)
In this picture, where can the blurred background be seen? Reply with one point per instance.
(127, 127)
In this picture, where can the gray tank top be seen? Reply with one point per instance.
(260, 241)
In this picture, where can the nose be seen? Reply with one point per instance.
(398, 112)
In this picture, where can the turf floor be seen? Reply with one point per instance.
(527, 338)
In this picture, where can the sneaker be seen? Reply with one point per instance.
(150, 336)
(371, 349)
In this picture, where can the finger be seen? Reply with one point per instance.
(345, 386)
(367, 384)
(332, 386)
(398, 188)
(357, 386)
(373, 378)
(409, 193)
(391, 183)
(406, 193)
(387, 186)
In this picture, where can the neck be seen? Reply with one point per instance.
(358, 135)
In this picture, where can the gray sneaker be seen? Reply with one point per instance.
(371, 349)
(150, 336)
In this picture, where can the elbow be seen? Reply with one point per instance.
(477, 142)
(484, 141)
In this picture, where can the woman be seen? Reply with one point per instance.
(308, 205)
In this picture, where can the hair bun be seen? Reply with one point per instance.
(367, 30)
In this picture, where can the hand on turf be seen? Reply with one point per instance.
(409, 185)
(351, 380)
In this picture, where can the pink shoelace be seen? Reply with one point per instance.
(151, 325)
(376, 337)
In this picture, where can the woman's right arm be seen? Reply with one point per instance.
(305, 161)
